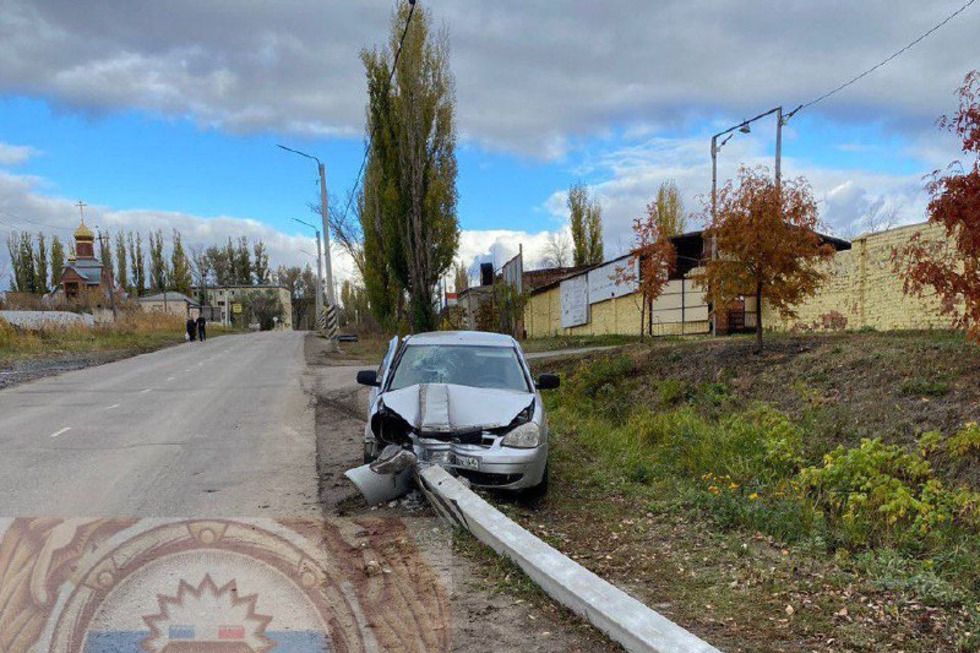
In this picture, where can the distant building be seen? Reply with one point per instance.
(83, 271)
(227, 301)
(173, 303)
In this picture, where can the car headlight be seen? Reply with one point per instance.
(525, 436)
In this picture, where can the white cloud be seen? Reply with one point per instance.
(532, 77)
(12, 155)
(632, 175)
(24, 206)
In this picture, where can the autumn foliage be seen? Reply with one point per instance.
(950, 267)
(652, 260)
(767, 244)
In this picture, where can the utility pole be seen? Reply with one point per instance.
(319, 276)
(319, 269)
(745, 128)
(325, 216)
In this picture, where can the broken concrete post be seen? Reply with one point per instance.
(624, 619)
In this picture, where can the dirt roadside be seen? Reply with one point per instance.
(22, 371)
(483, 616)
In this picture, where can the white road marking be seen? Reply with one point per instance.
(170, 378)
(143, 392)
(113, 406)
(61, 432)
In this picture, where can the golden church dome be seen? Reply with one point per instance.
(84, 232)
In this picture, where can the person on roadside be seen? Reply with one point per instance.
(191, 329)
(201, 331)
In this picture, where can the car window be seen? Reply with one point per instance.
(475, 366)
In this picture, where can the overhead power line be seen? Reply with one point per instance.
(14, 216)
(374, 128)
(908, 47)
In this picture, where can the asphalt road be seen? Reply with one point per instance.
(220, 428)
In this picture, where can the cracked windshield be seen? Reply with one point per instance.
(556, 327)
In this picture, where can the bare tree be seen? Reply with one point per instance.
(878, 218)
(558, 249)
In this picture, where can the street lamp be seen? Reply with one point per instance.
(324, 217)
(744, 127)
(319, 271)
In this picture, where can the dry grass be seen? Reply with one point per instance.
(134, 331)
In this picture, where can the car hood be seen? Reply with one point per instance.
(446, 408)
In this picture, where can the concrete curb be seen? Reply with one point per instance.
(624, 619)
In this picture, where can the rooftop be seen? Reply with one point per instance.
(168, 296)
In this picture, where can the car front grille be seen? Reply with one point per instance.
(488, 480)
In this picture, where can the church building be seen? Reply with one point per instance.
(83, 271)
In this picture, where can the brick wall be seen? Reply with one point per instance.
(862, 287)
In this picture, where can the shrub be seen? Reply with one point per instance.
(878, 494)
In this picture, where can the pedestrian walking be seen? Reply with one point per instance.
(201, 331)
(191, 329)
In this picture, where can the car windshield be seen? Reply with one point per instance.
(475, 366)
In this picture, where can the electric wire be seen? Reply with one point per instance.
(867, 72)
(374, 128)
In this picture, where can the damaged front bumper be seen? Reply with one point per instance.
(493, 466)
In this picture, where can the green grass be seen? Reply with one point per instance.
(727, 463)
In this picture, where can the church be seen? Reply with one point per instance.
(83, 270)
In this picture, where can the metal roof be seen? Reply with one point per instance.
(481, 338)
(169, 296)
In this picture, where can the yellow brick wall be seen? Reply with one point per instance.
(862, 287)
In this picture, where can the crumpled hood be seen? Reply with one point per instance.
(446, 408)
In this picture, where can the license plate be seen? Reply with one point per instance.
(466, 462)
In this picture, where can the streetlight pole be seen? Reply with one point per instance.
(715, 148)
(319, 269)
(324, 216)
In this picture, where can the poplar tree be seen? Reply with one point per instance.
(57, 261)
(122, 275)
(260, 266)
(409, 199)
(180, 268)
(243, 262)
(585, 220)
(41, 265)
(158, 264)
(137, 263)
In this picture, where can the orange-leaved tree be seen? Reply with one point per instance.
(651, 262)
(767, 244)
(951, 266)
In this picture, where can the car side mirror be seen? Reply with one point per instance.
(368, 377)
(548, 382)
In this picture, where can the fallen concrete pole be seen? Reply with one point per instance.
(625, 620)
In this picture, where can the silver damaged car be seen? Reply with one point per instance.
(464, 400)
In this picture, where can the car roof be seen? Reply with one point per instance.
(482, 338)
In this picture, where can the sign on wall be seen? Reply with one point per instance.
(575, 301)
(602, 282)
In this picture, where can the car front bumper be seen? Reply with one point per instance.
(498, 467)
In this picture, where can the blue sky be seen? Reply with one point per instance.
(174, 121)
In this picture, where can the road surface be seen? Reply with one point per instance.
(223, 427)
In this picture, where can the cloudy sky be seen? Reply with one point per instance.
(160, 114)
